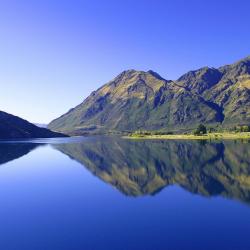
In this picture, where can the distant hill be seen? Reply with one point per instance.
(13, 127)
(41, 125)
(144, 100)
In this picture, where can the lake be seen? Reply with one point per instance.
(112, 193)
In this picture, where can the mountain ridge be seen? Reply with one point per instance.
(144, 100)
(14, 127)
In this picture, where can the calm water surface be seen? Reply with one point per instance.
(110, 193)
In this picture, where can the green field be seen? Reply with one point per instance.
(209, 136)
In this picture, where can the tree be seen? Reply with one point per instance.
(242, 128)
(201, 130)
(245, 129)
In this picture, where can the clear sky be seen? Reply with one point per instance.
(53, 54)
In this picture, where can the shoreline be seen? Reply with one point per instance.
(210, 136)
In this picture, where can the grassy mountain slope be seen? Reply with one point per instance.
(144, 100)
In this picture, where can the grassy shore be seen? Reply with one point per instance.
(209, 136)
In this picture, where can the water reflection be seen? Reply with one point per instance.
(12, 151)
(145, 167)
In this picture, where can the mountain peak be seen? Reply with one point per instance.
(196, 73)
(236, 69)
(137, 74)
(128, 71)
(155, 74)
(246, 59)
(201, 79)
(126, 74)
(129, 83)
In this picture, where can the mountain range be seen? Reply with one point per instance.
(139, 100)
(13, 127)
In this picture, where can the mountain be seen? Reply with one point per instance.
(13, 127)
(41, 125)
(138, 168)
(144, 100)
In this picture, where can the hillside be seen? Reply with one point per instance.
(144, 100)
(13, 127)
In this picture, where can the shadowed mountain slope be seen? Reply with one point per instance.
(13, 127)
(144, 100)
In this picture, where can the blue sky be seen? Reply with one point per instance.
(53, 54)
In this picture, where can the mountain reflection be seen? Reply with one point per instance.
(12, 151)
(145, 167)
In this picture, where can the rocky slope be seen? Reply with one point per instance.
(13, 127)
(144, 100)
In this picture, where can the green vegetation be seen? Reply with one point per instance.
(138, 100)
(145, 132)
(210, 136)
(239, 132)
(242, 128)
(201, 130)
